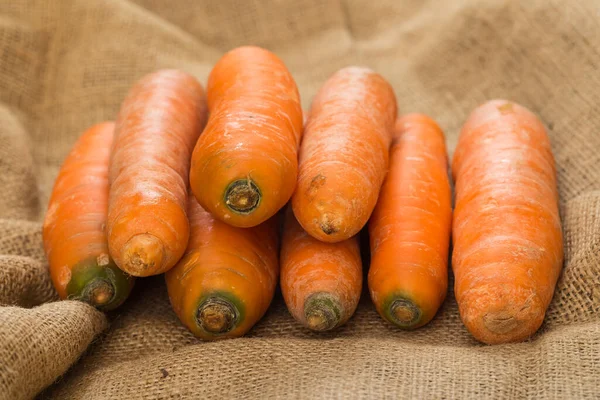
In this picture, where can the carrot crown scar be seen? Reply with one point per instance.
(216, 315)
(242, 196)
(322, 311)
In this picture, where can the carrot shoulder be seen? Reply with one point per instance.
(244, 166)
(158, 125)
(508, 247)
(344, 154)
(410, 227)
(226, 280)
(321, 282)
(74, 237)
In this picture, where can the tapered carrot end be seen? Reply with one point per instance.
(143, 255)
(242, 196)
(322, 312)
(507, 317)
(511, 325)
(404, 313)
(217, 315)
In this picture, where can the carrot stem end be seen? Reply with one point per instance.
(100, 283)
(242, 196)
(216, 315)
(404, 313)
(98, 293)
(322, 312)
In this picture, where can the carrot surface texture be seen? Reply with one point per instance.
(410, 226)
(344, 154)
(158, 125)
(226, 280)
(245, 164)
(508, 248)
(321, 282)
(74, 237)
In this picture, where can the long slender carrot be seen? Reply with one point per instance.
(344, 154)
(226, 280)
(507, 237)
(245, 164)
(410, 227)
(321, 282)
(158, 125)
(74, 237)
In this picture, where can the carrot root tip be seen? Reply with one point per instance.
(512, 320)
(217, 315)
(500, 323)
(404, 313)
(322, 312)
(142, 254)
(242, 196)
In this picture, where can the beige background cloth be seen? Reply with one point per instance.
(67, 64)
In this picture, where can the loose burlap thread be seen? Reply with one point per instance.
(65, 65)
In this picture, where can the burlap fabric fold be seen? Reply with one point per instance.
(67, 64)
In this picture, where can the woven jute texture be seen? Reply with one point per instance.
(67, 64)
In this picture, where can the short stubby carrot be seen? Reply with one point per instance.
(410, 226)
(245, 164)
(226, 280)
(158, 125)
(507, 236)
(344, 154)
(321, 282)
(74, 237)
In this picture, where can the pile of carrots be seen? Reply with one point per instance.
(230, 191)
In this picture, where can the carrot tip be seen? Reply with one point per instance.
(217, 315)
(500, 323)
(322, 312)
(404, 313)
(242, 196)
(142, 254)
(511, 323)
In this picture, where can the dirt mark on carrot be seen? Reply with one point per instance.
(316, 183)
(328, 225)
(506, 108)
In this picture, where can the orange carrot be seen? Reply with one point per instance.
(245, 164)
(410, 227)
(226, 280)
(74, 237)
(508, 248)
(321, 282)
(157, 128)
(344, 154)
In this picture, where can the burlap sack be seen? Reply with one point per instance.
(67, 64)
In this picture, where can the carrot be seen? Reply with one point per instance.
(74, 238)
(508, 247)
(344, 154)
(226, 280)
(321, 282)
(410, 227)
(245, 164)
(158, 125)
